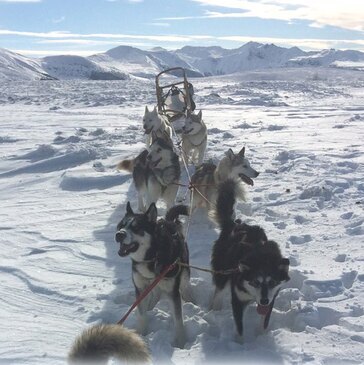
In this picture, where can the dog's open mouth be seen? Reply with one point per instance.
(187, 131)
(125, 249)
(147, 131)
(246, 179)
(263, 310)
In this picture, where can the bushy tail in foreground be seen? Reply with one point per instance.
(228, 192)
(97, 343)
(176, 211)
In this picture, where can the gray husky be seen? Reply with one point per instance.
(152, 246)
(155, 125)
(194, 138)
(156, 174)
(208, 176)
(260, 268)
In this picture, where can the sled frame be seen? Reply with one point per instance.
(163, 91)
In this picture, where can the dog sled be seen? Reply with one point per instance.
(174, 99)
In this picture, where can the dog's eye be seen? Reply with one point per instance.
(272, 283)
(255, 283)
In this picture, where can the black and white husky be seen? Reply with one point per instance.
(153, 245)
(194, 138)
(156, 174)
(262, 269)
(208, 176)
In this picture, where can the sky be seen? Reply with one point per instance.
(83, 27)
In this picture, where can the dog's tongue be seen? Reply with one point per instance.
(126, 249)
(263, 309)
(247, 179)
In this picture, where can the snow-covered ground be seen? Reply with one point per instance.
(61, 199)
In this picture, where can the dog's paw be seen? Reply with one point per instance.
(179, 342)
(239, 339)
(180, 338)
(142, 327)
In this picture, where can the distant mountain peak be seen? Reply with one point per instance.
(125, 61)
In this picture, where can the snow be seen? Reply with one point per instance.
(61, 199)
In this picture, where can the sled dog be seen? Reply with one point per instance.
(154, 122)
(208, 176)
(155, 173)
(153, 245)
(98, 343)
(262, 269)
(194, 138)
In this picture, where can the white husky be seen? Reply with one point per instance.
(156, 123)
(194, 138)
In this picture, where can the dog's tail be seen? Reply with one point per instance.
(223, 213)
(126, 165)
(129, 165)
(96, 344)
(176, 211)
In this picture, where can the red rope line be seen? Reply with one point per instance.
(148, 290)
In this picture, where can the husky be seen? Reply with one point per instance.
(156, 174)
(98, 343)
(194, 138)
(208, 176)
(261, 268)
(153, 245)
(154, 122)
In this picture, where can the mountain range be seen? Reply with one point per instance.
(123, 62)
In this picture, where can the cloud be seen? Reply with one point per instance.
(348, 14)
(68, 35)
(21, 1)
(175, 41)
(59, 20)
(156, 24)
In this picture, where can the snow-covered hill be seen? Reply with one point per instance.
(328, 57)
(123, 61)
(77, 67)
(14, 66)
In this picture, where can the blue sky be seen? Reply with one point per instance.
(84, 27)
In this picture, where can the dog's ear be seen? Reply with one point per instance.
(151, 213)
(283, 268)
(242, 152)
(230, 154)
(128, 208)
(146, 109)
(199, 115)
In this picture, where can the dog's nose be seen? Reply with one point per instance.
(264, 301)
(257, 174)
(120, 236)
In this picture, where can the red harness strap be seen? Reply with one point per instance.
(148, 290)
